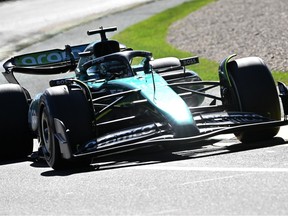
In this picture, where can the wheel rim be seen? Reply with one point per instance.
(46, 136)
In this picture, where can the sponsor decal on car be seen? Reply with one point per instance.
(48, 57)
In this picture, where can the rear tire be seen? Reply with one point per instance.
(69, 105)
(16, 138)
(255, 89)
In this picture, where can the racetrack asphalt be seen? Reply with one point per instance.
(220, 177)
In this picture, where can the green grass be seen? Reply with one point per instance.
(151, 35)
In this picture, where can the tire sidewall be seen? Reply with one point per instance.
(51, 155)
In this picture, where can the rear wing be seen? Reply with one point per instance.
(46, 62)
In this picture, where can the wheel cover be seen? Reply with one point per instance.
(46, 136)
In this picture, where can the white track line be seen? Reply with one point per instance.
(214, 169)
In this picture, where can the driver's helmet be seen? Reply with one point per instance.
(80, 72)
(109, 70)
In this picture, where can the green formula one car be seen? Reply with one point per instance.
(122, 99)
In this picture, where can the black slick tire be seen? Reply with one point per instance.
(16, 138)
(256, 91)
(69, 105)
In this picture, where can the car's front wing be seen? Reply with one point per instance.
(152, 135)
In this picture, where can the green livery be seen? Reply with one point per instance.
(120, 99)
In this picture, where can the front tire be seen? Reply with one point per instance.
(256, 92)
(69, 105)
